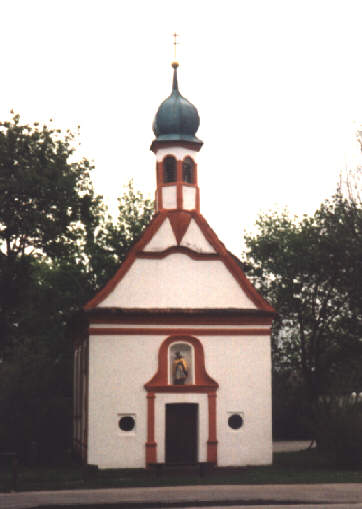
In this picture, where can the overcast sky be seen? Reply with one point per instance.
(278, 86)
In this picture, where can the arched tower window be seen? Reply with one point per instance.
(188, 170)
(169, 169)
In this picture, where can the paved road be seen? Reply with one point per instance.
(291, 445)
(316, 496)
(284, 506)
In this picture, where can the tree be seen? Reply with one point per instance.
(109, 247)
(41, 192)
(57, 247)
(42, 198)
(311, 272)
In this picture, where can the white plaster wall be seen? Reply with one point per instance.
(189, 197)
(163, 238)
(242, 367)
(119, 366)
(180, 282)
(160, 421)
(179, 152)
(169, 197)
(195, 239)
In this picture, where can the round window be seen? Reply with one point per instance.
(235, 421)
(126, 423)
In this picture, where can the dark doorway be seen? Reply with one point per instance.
(181, 433)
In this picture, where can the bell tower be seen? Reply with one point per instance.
(176, 148)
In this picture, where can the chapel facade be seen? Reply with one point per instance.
(175, 367)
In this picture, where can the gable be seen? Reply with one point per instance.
(179, 263)
(178, 281)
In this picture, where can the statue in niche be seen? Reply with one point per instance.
(180, 369)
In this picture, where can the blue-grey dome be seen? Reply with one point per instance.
(176, 119)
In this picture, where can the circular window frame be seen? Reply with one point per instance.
(235, 416)
(131, 418)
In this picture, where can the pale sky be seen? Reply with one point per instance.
(278, 86)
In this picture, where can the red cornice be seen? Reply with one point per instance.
(117, 331)
(176, 317)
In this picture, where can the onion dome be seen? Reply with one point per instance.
(176, 119)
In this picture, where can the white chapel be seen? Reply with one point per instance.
(176, 365)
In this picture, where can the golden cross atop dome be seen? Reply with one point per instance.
(175, 44)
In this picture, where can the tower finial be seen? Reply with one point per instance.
(175, 63)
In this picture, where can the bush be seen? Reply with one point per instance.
(290, 409)
(338, 427)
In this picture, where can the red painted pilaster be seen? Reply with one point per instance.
(179, 185)
(151, 445)
(212, 441)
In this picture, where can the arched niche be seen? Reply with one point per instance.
(181, 361)
(162, 382)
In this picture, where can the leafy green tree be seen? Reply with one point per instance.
(57, 247)
(107, 250)
(43, 195)
(311, 272)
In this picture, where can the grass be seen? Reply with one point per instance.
(304, 467)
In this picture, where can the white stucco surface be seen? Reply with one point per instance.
(195, 239)
(119, 366)
(242, 367)
(163, 238)
(169, 197)
(188, 197)
(177, 281)
(179, 152)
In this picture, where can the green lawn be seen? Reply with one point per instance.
(289, 468)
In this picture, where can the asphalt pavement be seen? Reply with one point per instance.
(301, 495)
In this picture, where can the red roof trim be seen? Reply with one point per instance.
(231, 264)
(222, 254)
(151, 229)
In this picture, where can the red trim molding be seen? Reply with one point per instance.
(190, 317)
(179, 222)
(212, 440)
(151, 229)
(160, 383)
(124, 331)
(151, 445)
(160, 379)
(178, 250)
